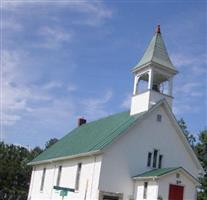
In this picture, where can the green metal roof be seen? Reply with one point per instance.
(157, 172)
(89, 137)
(156, 52)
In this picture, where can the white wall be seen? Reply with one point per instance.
(152, 190)
(189, 186)
(140, 102)
(127, 157)
(90, 172)
(157, 96)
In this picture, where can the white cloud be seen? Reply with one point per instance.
(18, 97)
(10, 24)
(71, 88)
(188, 88)
(53, 37)
(194, 62)
(94, 12)
(96, 107)
(127, 102)
(52, 85)
(183, 107)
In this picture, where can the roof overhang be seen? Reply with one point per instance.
(91, 153)
(156, 65)
(177, 170)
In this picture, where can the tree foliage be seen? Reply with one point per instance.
(14, 171)
(201, 151)
(200, 148)
(191, 139)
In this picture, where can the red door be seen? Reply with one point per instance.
(176, 192)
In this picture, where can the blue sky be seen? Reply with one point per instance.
(65, 59)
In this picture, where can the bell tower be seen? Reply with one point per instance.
(153, 76)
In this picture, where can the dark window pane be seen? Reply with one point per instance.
(159, 118)
(78, 176)
(43, 179)
(155, 158)
(59, 175)
(160, 161)
(145, 190)
(149, 159)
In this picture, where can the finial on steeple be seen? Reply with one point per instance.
(158, 29)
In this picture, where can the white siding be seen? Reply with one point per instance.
(127, 157)
(189, 186)
(152, 190)
(90, 172)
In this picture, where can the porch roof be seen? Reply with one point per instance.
(158, 173)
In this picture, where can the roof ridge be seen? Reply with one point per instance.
(154, 45)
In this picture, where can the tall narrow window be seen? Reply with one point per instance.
(160, 161)
(145, 190)
(149, 158)
(43, 179)
(155, 158)
(77, 181)
(59, 175)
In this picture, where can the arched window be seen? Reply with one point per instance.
(142, 84)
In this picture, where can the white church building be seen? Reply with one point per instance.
(141, 154)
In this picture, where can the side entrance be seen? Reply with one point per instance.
(110, 196)
(176, 192)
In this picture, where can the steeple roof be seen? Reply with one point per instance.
(156, 52)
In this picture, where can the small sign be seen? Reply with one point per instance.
(64, 188)
(63, 193)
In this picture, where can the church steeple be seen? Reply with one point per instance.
(153, 76)
(156, 52)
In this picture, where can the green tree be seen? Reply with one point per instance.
(50, 142)
(201, 151)
(14, 171)
(191, 139)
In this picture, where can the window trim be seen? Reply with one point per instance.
(145, 190)
(43, 179)
(155, 155)
(160, 161)
(78, 174)
(149, 159)
(159, 118)
(59, 175)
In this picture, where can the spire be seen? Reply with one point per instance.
(156, 52)
(158, 29)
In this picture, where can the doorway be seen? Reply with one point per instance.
(110, 198)
(176, 192)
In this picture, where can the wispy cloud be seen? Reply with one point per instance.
(126, 102)
(53, 37)
(96, 107)
(52, 85)
(93, 12)
(71, 88)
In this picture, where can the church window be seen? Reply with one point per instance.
(77, 181)
(160, 161)
(59, 175)
(43, 179)
(159, 118)
(149, 158)
(145, 190)
(155, 158)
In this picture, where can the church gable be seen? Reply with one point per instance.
(128, 155)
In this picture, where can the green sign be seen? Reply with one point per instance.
(64, 188)
(63, 193)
